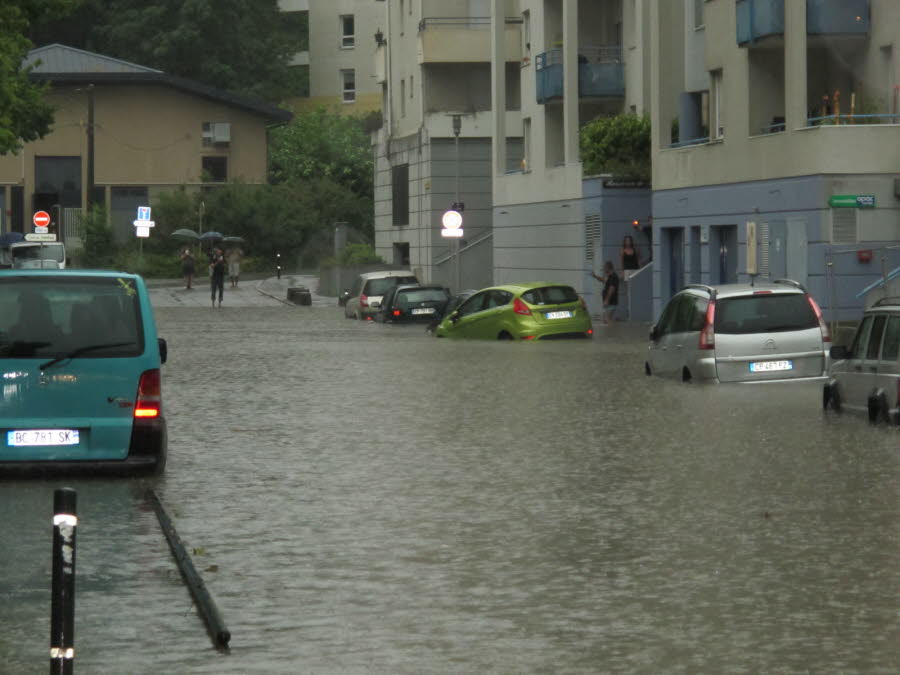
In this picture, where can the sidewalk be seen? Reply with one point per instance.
(260, 292)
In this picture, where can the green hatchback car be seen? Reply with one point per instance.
(527, 311)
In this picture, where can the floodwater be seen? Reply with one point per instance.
(364, 498)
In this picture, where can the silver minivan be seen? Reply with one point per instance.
(865, 377)
(760, 332)
(368, 289)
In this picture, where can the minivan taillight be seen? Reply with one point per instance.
(826, 334)
(149, 395)
(520, 307)
(363, 300)
(708, 334)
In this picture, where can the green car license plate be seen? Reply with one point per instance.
(41, 437)
(559, 315)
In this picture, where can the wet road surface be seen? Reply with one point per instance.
(364, 498)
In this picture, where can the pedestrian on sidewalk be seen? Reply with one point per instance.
(187, 267)
(235, 256)
(217, 274)
(610, 281)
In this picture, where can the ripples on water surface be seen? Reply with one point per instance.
(362, 498)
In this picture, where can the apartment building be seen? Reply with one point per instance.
(775, 144)
(434, 65)
(340, 59)
(577, 60)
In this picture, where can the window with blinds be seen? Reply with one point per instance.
(593, 228)
(844, 226)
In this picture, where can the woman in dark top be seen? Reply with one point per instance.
(629, 257)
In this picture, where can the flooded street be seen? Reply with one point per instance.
(365, 498)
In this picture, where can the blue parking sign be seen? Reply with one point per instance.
(143, 213)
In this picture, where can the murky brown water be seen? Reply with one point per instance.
(363, 498)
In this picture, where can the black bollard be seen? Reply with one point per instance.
(62, 603)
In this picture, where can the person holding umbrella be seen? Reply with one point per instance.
(187, 266)
(217, 274)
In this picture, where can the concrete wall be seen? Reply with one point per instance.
(830, 270)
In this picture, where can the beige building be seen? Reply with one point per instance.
(434, 149)
(151, 132)
(577, 60)
(340, 57)
(775, 143)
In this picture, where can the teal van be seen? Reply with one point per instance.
(79, 373)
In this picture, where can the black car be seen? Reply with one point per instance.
(413, 304)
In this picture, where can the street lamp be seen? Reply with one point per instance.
(457, 127)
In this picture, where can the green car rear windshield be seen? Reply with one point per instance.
(54, 316)
(550, 295)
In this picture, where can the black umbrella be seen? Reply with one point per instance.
(233, 240)
(187, 234)
(211, 236)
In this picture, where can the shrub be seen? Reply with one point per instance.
(617, 145)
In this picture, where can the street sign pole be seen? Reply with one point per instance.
(457, 127)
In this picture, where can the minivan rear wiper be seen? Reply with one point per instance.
(83, 350)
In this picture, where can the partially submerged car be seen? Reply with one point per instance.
(410, 304)
(364, 298)
(80, 372)
(527, 311)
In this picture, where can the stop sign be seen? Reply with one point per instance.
(41, 219)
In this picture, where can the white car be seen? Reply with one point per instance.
(369, 288)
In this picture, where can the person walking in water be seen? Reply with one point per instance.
(187, 267)
(610, 281)
(235, 256)
(217, 267)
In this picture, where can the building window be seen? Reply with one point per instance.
(716, 113)
(348, 32)
(698, 13)
(400, 194)
(402, 19)
(402, 98)
(526, 37)
(526, 138)
(216, 133)
(401, 254)
(214, 169)
(348, 80)
(844, 226)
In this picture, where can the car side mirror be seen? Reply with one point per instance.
(654, 334)
(454, 317)
(839, 353)
(163, 350)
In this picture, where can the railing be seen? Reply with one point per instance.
(447, 257)
(601, 73)
(462, 22)
(691, 141)
(71, 223)
(853, 119)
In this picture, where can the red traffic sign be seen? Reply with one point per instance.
(41, 219)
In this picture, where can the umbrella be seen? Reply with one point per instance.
(210, 236)
(8, 238)
(190, 234)
(233, 240)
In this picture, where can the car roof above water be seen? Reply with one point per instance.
(732, 290)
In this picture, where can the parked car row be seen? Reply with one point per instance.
(525, 311)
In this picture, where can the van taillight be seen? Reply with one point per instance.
(149, 395)
(708, 334)
(520, 307)
(826, 334)
(363, 300)
(396, 312)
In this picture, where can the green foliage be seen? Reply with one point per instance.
(99, 250)
(359, 254)
(243, 46)
(25, 115)
(617, 145)
(319, 143)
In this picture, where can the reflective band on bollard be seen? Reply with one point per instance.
(62, 607)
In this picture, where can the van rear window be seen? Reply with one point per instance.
(550, 295)
(53, 316)
(384, 284)
(769, 313)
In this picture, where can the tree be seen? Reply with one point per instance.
(321, 143)
(244, 46)
(618, 145)
(25, 115)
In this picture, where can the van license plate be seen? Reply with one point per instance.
(558, 315)
(35, 437)
(769, 366)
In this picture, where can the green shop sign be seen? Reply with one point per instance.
(852, 201)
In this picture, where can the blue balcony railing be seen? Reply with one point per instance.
(757, 19)
(601, 73)
(837, 17)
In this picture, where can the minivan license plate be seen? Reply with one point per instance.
(769, 366)
(36, 437)
(559, 315)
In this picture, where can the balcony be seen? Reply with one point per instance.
(464, 39)
(601, 73)
(837, 17)
(759, 19)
